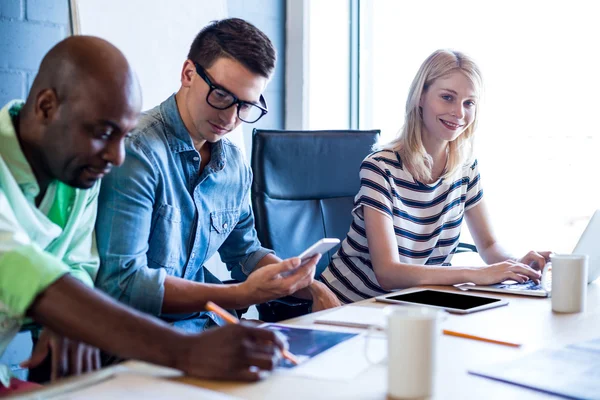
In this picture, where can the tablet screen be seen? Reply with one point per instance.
(444, 299)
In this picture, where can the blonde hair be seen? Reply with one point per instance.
(409, 143)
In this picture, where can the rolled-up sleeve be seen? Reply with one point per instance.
(81, 256)
(122, 231)
(25, 269)
(242, 250)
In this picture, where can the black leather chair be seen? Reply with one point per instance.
(465, 248)
(303, 190)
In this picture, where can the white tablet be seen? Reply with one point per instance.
(458, 303)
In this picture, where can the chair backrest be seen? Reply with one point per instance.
(304, 186)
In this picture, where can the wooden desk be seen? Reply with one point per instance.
(526, 320)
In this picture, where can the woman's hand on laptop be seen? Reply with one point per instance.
(536, 259)
(503, 271)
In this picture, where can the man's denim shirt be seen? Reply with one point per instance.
(157, 216)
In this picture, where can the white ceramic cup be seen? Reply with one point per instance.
(569, 282)
(411, 336)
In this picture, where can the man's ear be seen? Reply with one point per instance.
(46, 106)
(187, 73)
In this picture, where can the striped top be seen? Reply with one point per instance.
(427, 221)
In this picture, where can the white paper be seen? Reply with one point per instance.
(354, 316)
(590, 345)
(345, 361)
(569, 371)
(129, 386)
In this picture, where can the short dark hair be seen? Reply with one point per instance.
(237, 39)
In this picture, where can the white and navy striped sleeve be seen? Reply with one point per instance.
(375, 189)
(474, 189)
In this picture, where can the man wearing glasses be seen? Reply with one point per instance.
(183, 193)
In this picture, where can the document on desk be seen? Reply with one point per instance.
(130, 386)
(331, 354)
(572, 371)
(345, 361)
(590, 345)
(354, 316)
(307, 343)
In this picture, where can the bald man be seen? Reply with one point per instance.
(55, 148)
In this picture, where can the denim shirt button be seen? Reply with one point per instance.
(225, 225)
(196, 158)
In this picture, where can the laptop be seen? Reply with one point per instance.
(587, 244)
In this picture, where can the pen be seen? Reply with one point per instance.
(467, 336)
(210, 306)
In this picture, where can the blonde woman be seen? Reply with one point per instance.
(416, 191)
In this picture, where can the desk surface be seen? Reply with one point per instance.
(526, 320)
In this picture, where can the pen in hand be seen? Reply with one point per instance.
(210, 306)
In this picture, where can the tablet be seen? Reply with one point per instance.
(458, 303)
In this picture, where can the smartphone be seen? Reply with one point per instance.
(319, 247)
(458, 303)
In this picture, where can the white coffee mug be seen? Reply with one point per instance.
(569, 282)
(411, 336)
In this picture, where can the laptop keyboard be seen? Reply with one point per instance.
(529, 285)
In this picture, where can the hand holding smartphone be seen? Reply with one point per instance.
(319, 247)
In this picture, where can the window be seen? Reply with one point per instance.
(537, 142)
(328, 64)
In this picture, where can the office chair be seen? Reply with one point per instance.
(303, 190)
(465, 248)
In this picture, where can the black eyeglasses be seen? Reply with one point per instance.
(221, 99)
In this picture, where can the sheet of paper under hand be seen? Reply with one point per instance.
(343, 362)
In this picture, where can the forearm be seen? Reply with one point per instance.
(242, 262)
(184, 296)
(71, 309)
(480, 227)
(311, 291)
(400, 275)
(495, 253)
(268, 259)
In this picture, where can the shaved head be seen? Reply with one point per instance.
(81, 61)
(82, 103)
